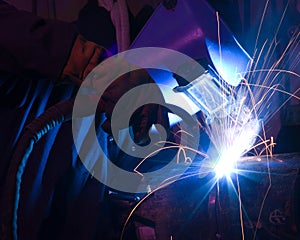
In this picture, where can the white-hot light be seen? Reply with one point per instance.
(237, 141)
(225, 165)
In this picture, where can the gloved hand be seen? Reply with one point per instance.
(145, 116)
(84, 57)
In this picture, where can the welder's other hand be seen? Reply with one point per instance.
(84, 57)
(144, 116)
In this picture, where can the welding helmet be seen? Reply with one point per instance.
(194, 28)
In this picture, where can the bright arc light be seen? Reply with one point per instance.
(223, 170)
(239, 141)
(225, 166)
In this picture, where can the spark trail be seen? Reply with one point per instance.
(242, 130)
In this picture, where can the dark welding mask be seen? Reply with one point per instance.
(195, 29)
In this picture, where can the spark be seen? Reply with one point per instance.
(244, 128)
(242, 132)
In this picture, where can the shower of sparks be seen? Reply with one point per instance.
(236, 134)
(242, 131)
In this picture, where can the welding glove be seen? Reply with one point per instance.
(143, 117)
(84, 57)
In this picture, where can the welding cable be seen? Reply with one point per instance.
(51, 118)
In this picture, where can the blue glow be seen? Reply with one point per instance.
(165, 78)
(238, 141)
(211, 98)
(231, 61)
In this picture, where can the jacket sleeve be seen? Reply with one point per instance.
(32, 46)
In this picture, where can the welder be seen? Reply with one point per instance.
(42, 63)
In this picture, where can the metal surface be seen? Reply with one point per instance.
(193, 208)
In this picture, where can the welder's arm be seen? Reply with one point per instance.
(31, 46)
